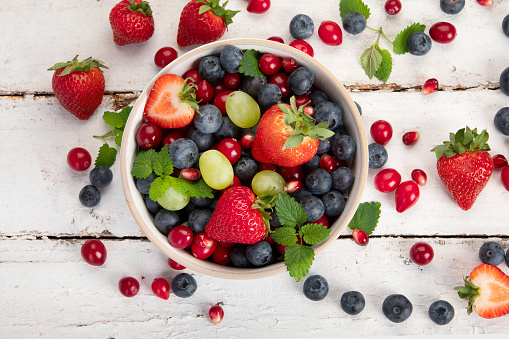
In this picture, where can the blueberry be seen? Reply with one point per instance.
(334, 203)
(441, 312)
(90, 196)
(210, 69)
(300, 194)
(397, 308)
(208, 120)
(198, 219)
(252, 85)
(313, 207)
(418, 43)
(312, 164)
(352, 302)
(377, 155)
(505, 25)
(343, 147)
(300, 81)
(274, 220)
(184, 285)
(504, 81)
(359, 108)
(329, 111)
(101, 176)
(507, 258)
(230, 59)
(152, 206)
(165, 220)
(227, 130)
(323, 146)
(245, 169)
(238, 256)
(202, 140)
(316, 287)
(452, 6)
(342, 179)
(201, 201)
(213, 204)
(269, 95)
(143, 185)
(318, 96)
(491, 253)
(259, 254)
(183, 153)
(318, 181)
(354, 22)
(301, 26)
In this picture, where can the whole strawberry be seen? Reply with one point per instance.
(203, 21)
(464, 165)
(236, 218)
(286, 136)
(79, 85)
(131, 22)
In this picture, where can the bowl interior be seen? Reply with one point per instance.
(323, 80)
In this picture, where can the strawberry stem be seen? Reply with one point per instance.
(78, 66)
(470, 292)
(142, 8)
(464, 140)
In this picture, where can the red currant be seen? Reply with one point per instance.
(430, 86)
(204, 92)
(281, 81)
(161, 288)
(175, 265)
(276, 39)
(247, 140)
(231, 80)
(387, 180)
(216, 314)
(499, 161)
(486, 3)
(149, 135)
(419, 176)
(94, 252)
(258, 6)
(180, 236)
(220, 101)
(269, 64)
(360, 237)
(381, 131)
(222, 255)
(289, 64)
(410, 138)
(406, 195)
(129, 286)
(164, 56)
(171, 137)
(79, 159)
(289, 173)
(231, 149)
(195, 76)
(323, 220)
(421, 253)
(442, 32)
(203, 246)
(505, 177)
(392, 7)
(303, 46)
(190, 174)
(330, 33)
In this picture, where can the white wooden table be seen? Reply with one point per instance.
(47, 290)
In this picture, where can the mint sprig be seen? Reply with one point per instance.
(249, 64)
(347, 6)
(366, 217)
(107, 154)
(399, 44)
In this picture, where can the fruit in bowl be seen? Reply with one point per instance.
(245, 176)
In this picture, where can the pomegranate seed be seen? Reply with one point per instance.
(309, 110)
(216, 314)
(276, 39)
(360, 237)
(410, 138)
(419, 176)
(289, 64)
(485, 2)
(430, 86)
(161, 288)
(505, 177)
(175, 265)
(190, 174)
(293, 186)
(247, 140)
(499, 161)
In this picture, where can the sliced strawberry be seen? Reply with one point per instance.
(171, 102)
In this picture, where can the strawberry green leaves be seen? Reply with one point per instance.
(366, 217)
(347, 6)
(399, 44)
(249, 64)
(464, 140)
(107, 154)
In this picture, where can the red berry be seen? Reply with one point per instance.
(269, 64)
(164, 56)
(410, 138)
(218, 88)
(180, 236)
(220, 101)
(302, 100)
(175, 265)
(190, 174)
(231, 149)
(281, 81)
(161, 288)
(258, 6)
(330, 33)
(330, 163)
(309, 110)
(129, 286)
(195, 76)
(303, 46)
(247, 140)
(406, 195)
(203, 246)
(216, 314)
(171, 137)
(499, 161)
(293, 186)
(289, 173)
(226, 243)
(323, 220)
(381, 131)
(430, 86)
(204, 92)
(485, 2)
(231, 80)
(419, 176)
(421, 253)
(387, 180)
(276, 39)
(442, 32)
(392, 7)
(79, 159)
(505, 177)
(262, 166)
(360, 237)
(289, 64)
(222, 255)
(149, 135)
(94, 252)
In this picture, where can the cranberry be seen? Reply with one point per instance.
(180, 236)
(276, 39)
(421, 253)
(485, 2)
(195, 76)
(360, 237)
(218, 88)
(410, 138)
(149, 135)
(231, 80)
(204, 92)
(289, 173)
(381, 131)
(406, 195)
(247, 140)
(281, 81)
(303, 46)
(430, 86)
(258, 6)
(175, 265)
(171, 137)
(392, 7)
(79, 159)
(231, 149)
(330, 163)
(323, 220)
(161, 288)
(499, 161)
(505, 177)
(269, 64)
(387, 180)
(190, 174)
(267, 167)
(216, 314)
(293, 185)
(164, 56)
(203, 246)
(289, 64)
(302, 100)
(442, 32)
(222, 255)
(330, 33)
(235, 182)
(220, 101)
(129, 286)
(94, 252)
(419, 176)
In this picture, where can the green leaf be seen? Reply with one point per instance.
(314, 233)
(142, 166)
(347, 6)
(399, 44)
(249, 64)
(158, 187)
(113, 119)
(106, 156)
(298, 260)
(197, 189)
(284, 236)
(289, 211)
(162, 162)
(293, 141)
(385, 69)
(366, 217)
(322, 132)
(118, 136)
(371, 60)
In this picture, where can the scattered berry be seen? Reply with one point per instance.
(276, 39)
(486, 3)
(190, 174)
(499, 161)
(94, 252)
(397, 308)
(301, 26)
(418, 44)
(504, 82)
(387, 180)
(419, 176)
(184, 285)
(258, 7)
(421, 253)
(501, 119)
(505, 177)
(406, 195)
(101, 176)
(352, 302)
(165, 56)
(354, 22)
(505, 25)
(330, 33)
(132, 22)
(161, 288)
(89, 196)
(442, 32)
(360, 237)
(452, 6)
(441, 312)
(303, 46)
(381, 131)
(175, 265)
(129, 286)
(377, 155)
(180, 236)
(316, 287)
(410, 138)
(392, 7)
(491, 253)
(79, 159)
(430, 86)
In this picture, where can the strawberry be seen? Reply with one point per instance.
(464, 165)
(172, 102)
(487, 291)
(131, 22)
(79, 85)
(237, 217)
(203, 21)
(287, 137)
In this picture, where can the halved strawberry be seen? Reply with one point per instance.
(487, 290)
(171, 102)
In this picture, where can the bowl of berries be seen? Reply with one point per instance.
(244, 158)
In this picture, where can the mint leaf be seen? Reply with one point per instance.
(113, 119)
(385, 69)
(249, 64)
(298, 260)
(399, 44)
(284, 236)
(314, 233)
(197, 189)
(118, 136)
(289, 212)
(158, 187)
(366, 217)
(162, 162)
(142, 166)
(106, 156)
(347, 6)
(371, 60)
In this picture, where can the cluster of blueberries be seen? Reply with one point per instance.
(99, 177)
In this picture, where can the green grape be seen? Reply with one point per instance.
(242, 109)
(216, 169)
(173, 200)
(264, 181)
